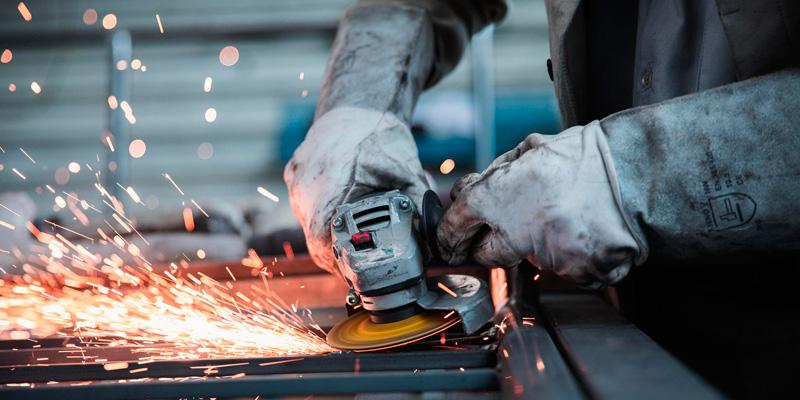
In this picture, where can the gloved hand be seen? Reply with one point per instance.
(349, 152)
(552, 198)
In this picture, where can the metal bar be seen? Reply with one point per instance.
(530, 364)
(483, 97)
(267, 386)
(339, 362)
(120, 88)
(611, 357)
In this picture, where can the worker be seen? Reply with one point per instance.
(680, 143)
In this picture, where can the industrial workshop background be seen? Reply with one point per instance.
(221, 131)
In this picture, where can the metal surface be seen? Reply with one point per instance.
(267, 385)
(359, 333)
(530, 364)
(611, 357)
(74, 370)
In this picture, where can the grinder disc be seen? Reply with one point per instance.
(359, 333)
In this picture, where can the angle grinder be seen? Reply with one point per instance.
(382, 243)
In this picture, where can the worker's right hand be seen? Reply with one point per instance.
(347, 153)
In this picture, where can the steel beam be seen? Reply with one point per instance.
(267, 386)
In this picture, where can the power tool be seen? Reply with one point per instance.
(382, 243)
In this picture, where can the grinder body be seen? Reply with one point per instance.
(382, 243)
(376, 247)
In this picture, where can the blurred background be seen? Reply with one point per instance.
(214, 96)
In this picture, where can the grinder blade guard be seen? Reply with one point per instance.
(382, 243)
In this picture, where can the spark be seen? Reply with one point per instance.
(110, 145)
(112, 103)
(5, 224)
(19, 173)
(122, 65)
(138, 370)
(60, 202)
(448, 315)
(200, 208)
(23, 10)
(211, 115)
(173, 184)
(10, 210)
(266, 193)
(280, 362)
(446, 289)
(12, 87)
(35, 87)
(188, 219)
(447, 166)
(27, 155)
(68, 230)
(201, 254)
(6, 57)
(90, 16)
(205, 151)
(229, 56)
(536, 277)
(207, 84)
(137, 148)
(301, 76)
(109, 21)
(74, 167)
(136, 63)
(160, 26)
(115, 366)
(287, 249)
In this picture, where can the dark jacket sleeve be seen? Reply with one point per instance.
(387, 51)
(714, 173)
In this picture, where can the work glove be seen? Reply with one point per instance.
(349, 152)
(553, 199)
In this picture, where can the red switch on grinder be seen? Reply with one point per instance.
(361, 239)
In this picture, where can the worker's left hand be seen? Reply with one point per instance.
(554, 199)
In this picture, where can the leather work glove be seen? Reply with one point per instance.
(349, 152)
(552, 198)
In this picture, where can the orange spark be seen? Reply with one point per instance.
(90, 16)
(6, 57)
(137, 148)
(109, 21)
(23, 10)
(447, 166)
(188, 219)
(446, 289)
(160, 26)
(229, 56)
(287, 249)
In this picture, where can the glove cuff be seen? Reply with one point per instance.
(643, 250)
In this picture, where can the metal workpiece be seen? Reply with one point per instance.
(469, 298)
(611, 357)
(268, 386)
(530, 364)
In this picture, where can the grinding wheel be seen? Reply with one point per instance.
(359, 333)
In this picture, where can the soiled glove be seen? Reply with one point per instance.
(349, 152)
(554, 199)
